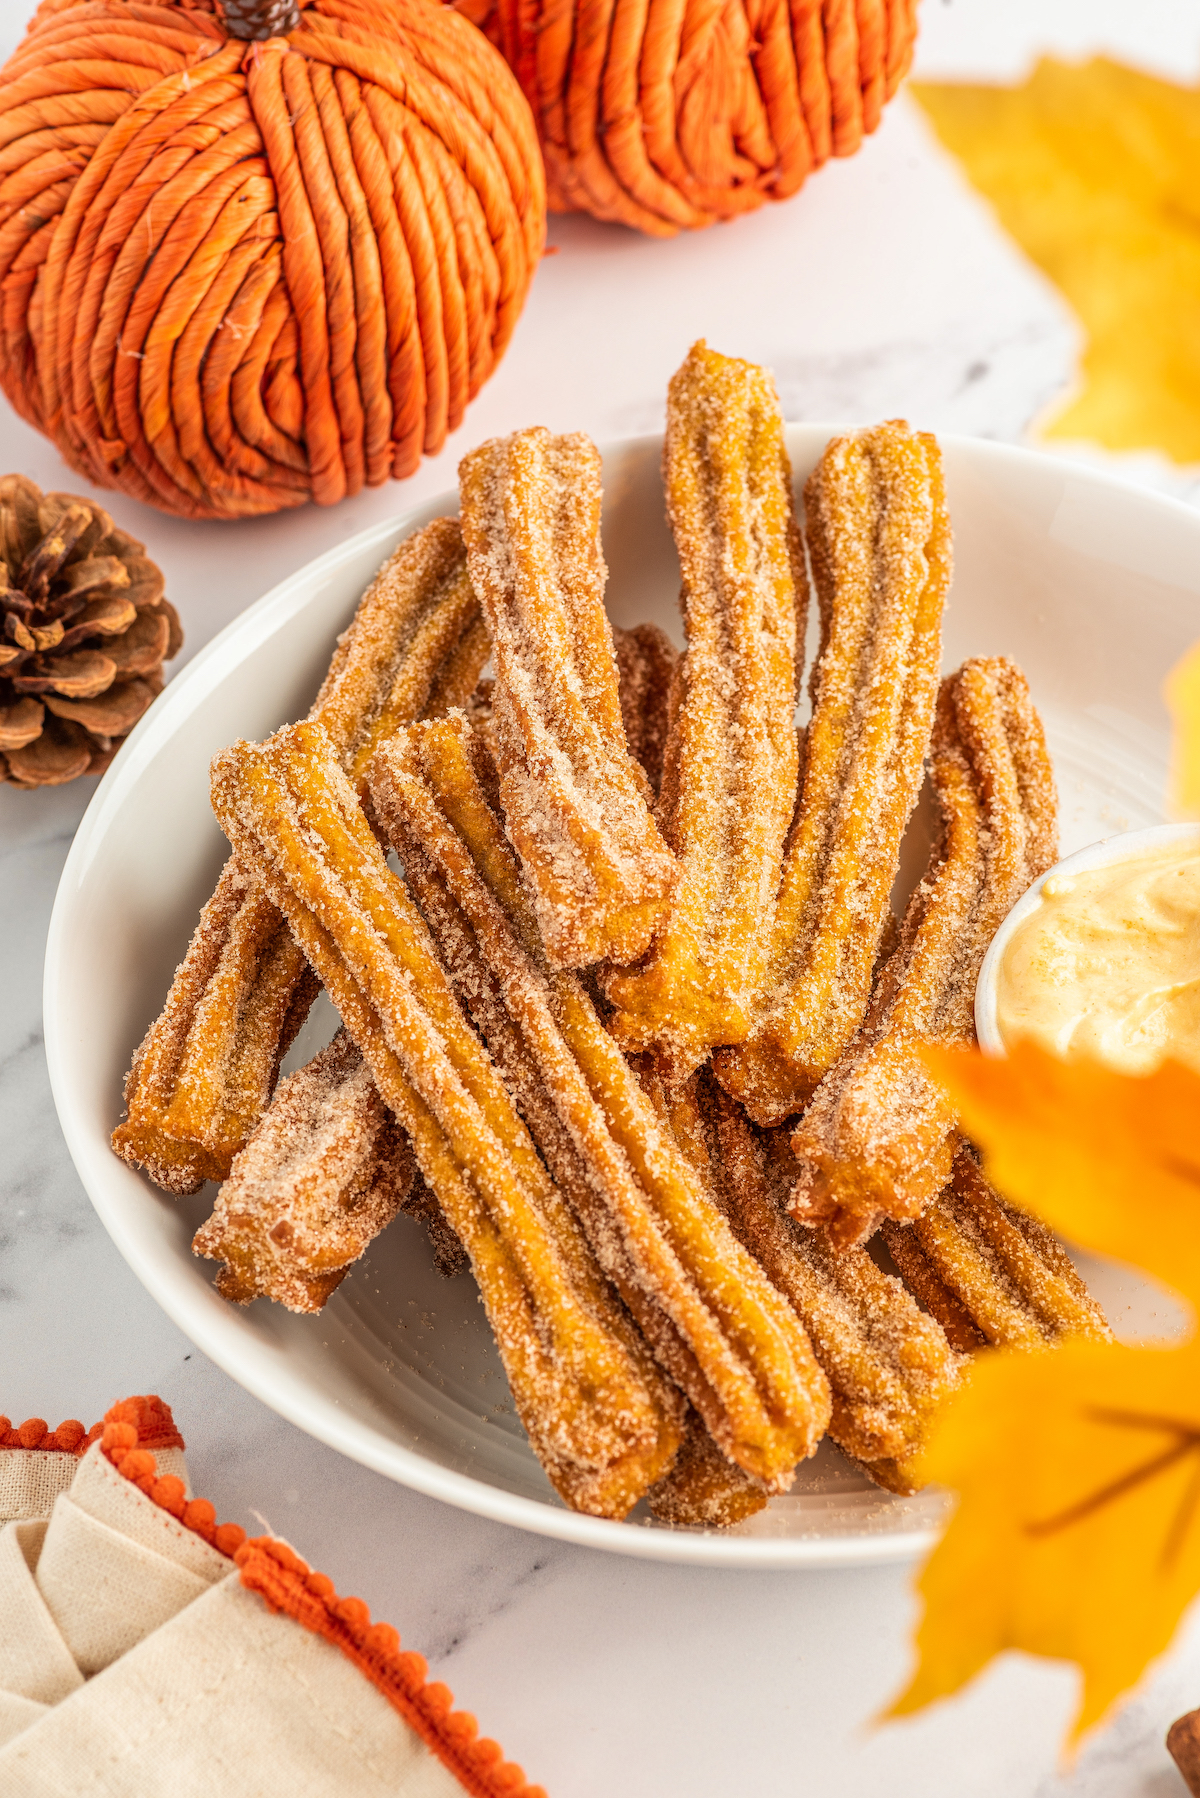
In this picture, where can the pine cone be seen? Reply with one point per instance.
(86, 631)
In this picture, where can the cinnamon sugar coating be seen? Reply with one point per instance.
(704, 1488)
(989, 1272)
(323, 1172)
(888, 1364)
(205, 1071)
(879, 542)
(576, 1369)
(878, 1138)
(575, 801)
(647, 662)
(729, 774)
(711, 1318)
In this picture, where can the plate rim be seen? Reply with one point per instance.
(317, 1415)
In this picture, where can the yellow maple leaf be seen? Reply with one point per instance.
(1077, 1533)
(1075, 1537)
(1183, 697)
(1094, 170)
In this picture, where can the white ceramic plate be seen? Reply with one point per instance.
(1093, 587)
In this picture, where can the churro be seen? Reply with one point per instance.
(205, 1071)
(646, 667)
(729, 782)
(879, 542)
(887, 1362)
(878, 1138)
(327, 1147)
(597, 1412)
(990, 1273)
(704, 1489)
(575, 801)
(324, 1171)
(710, 1316)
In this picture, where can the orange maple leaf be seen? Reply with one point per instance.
(1078, 1469)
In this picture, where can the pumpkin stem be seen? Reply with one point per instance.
(259, 19)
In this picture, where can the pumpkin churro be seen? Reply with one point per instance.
(593, 1404)
(646, 666)
(714, 1321)
(990, 1273)
(340, 1182)
(704, 1488)
(322, 1174)
(729, 781)
(879, 542)
(206, 1068)
(888, 1364)
(878, 1138)
(575, 801)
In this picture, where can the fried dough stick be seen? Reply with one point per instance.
(575, 801)
(879, 1136)
(888, 1364)
(714, 1322)
(326, 1169)
(206, 1068)
(358, 1149)
(729, 780)
(879, 542)
(702, 1487)
(646, 665)
(990, 1273)
(584, 1387)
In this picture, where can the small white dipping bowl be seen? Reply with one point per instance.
(1125, 846)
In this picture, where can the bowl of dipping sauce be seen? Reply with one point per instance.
(1101, 957)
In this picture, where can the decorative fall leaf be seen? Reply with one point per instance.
(1093, 169)
(1106, 1159)
(1183, 696)
(1077, 1533)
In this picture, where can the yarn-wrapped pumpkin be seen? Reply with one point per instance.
(671, 114)
(238, 275)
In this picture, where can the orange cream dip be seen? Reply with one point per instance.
(1108, 965)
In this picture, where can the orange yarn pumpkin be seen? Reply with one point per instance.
(671, 114)
(236, 276)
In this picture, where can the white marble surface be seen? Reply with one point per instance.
(885, 287)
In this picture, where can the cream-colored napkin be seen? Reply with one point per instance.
(136, 1658)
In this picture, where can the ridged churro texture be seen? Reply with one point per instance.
(704, 1488)
(714, 1322)
(888, 1364)
(325, 1171)
(879, 542)
(991, 1274)
(583, 1386)
(671, 116)
(205, 1071)
(729, 776)
(242, 276)
(647, 663)
(575, 800)
(878, 1138)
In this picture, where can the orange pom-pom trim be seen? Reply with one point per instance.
(70, 1438)
(236, 277)
(286, 1583)
(673, 114)
(144, 1423)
